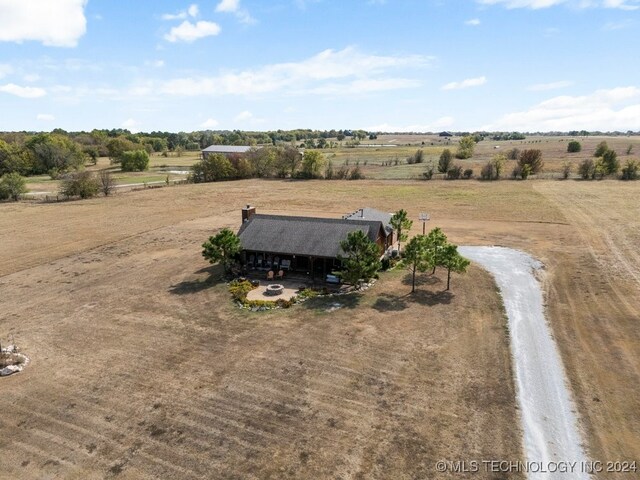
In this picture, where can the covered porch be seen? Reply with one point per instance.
(301, 267)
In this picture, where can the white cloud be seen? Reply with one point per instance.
(209, 123)
(190, 32)
(538, 4)
(228, 6)
(328, 71)
(541, 87)
(59, 23)
(233, 6)
(31, 77)
(192, 11)
(438, 124)
(154, 63)
(243, 116)
(621, 25)
(468, 83)
(613, 109)
(24, 92)
(130, 124)
(474, 22)
(45, 117)
(5, 70)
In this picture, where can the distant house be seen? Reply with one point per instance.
(305, 244)
(225, 150)
(446, 134)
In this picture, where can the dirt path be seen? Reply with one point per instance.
(550, 429)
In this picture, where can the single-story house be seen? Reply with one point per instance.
(306, 244)
(226, 150)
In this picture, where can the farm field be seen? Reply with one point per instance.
(142, 368)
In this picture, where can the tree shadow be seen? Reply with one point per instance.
(338, 302)
(390, 303)
(189, 287)
(427, 297)
(421, 279)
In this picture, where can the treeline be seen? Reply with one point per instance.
(270, 162)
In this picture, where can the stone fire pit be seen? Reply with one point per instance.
(274, 290)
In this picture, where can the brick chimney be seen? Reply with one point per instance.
(247, 212)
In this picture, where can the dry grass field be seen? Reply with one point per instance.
(142, 368)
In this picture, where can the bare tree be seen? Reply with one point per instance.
(107, 183)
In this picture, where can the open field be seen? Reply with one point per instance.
(142, 368)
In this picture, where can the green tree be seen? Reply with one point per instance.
(222, 248)
(435, 242)
(450, 259)
(401, 225)
(117, 146)
(54, 153)
(465, 147)
(417, 258)
(574, 146)
(12, 185)
(446, 157)
(79, 184)
(313, 163)
(213, 168)
(610, 162)
(361, 259)
(13, 159)
(134, 161)
(601, 149)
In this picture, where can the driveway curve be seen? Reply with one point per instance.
(551, 434)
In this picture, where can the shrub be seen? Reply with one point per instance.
(12, 185)
(465, 147)
(610, 162)
(587, 169)
(574, 146)
(240, 289)
(513, 154)
(468, 173)
(342, 173)
(454, 172)
(488, 172)
(80, 184)
(428, 174)
(525, 171)
(566, 170)
(444, 163)
(532, 158)
(134, 161)
(417, 157)
(356, 174)
(630, 170)
(601, 149)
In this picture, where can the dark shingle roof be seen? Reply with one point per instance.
(371, 214)
(308, 236)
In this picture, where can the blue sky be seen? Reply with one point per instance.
(396, 65)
